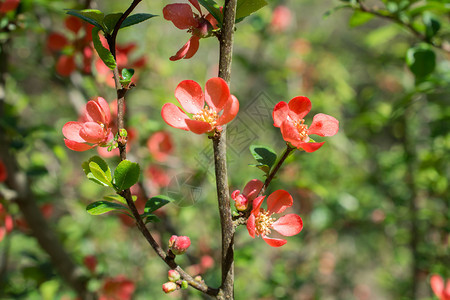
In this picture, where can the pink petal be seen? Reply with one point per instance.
(217, 93)
(257, 204)
(300, 106)
(196, 5)
(180, 14)
(308, 147)
(235, 194)
(92, 132)
(324, 125)
(288, 225)
(182, 52)
(280, 113)
(193, 46)
(94, 112)
(290, 132)
(437, 285)
(278, 201)
(174, 116)
(105, 110)
(251, 225)
(71, 130)
(72, 145)
(274, 242)
(56, 41)
(198, 127)
(229, 111)
(65, 65)
(190, 95)
(252, 189)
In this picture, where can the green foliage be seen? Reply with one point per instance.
(92, 16)
(135, 19)
(126, 175)
(98, 171)
(265, 156)
(214, 9)
(244, 8)
(421, 60)
(156, 202)
(110, 21)
(101, 207)
(359, 18)
(104, 53)
(127, 74)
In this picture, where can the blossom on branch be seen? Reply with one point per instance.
(261, 222)
(6, 222)
(160, 145)
(117, 288)
(8, 5)
(251, 190)
(440, 290)
(199, 26)
(289, 118)
(92, 130)
(179, 244)
(205, 118)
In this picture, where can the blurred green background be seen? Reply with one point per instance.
(374, 199)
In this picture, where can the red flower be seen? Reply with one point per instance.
(205, 118)
(289, 118)
(179, 244)
(118, 288)
(251, 190)
(437, 285)
(281, 18)
(80, 44)
(199, 26)
(93, 129)
(90, 262)
(6, 222)
(160, 145)
(261, 222)
(3, 172)
(8, 5)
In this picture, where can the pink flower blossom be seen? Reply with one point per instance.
(117, 288)
(6, 222)
(93, 130)
(281, 18)
(251, 190)
(169, 287)
(199, 26)
(261, 222)
(173, 275)
(289, 118)
(8, 5)
(179, 244)
(205, 118)
(160, 145)
(437, 285)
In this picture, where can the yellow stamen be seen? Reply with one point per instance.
(207, 115)
(263, 222)
(302, 129)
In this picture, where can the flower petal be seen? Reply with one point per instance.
(290, 133)
(193, 46)
(71, 130)
(229, 111)
(189, 94)
(278, 201)
(300, 106)
(196, 5)
(252, 189)
(73, 24)
(274, 242)
(182, 52)
(308, 147)
(104, 109)
(65, 65)
(235, 194)
(288, 225)
(94, 112)
(72, 145)
(251, 225)
(257, 204)
(56, 41)
(92, 132)
(437, 285)
(180, 14)
(174, 116)
(198, 127)
(217, 93)
(324, 125)
(280, 113)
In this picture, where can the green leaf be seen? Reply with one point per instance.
(103, 167)
(264, 168)
(93, 16)
(359, 18)
(421, 60)
(156, 202)
(127, 74)
(432, 25)
(126, 175)
(264, 155)
(115, 197)
(104, 53)
(244, 8)
(110, 22)
(98, 173)
(214, 9)
(150, 218)
(135, 19)
(335, 9)
(101, 207)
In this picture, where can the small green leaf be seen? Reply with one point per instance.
(127, 74)
(264, 168)
(110, 21)
(101, 207)
(115, 197)
(359, 18)
(104, 53)
(103, 167)
(156, 202)
(214, 9)
(150, 218)
(264, 155)
(135, 19)
(421, 60)
(98, 173)
(126, 175)
(432, 25)
(244, 8)
(92, 16)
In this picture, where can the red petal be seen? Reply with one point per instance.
(9, 5)
(56, 41)
(308, 147)
(437, 285)
(65, 65)
(274, 242)
(72, 145)
(198, 127)
(174, 116)
(104, 106)
(180, 14)
(324, 125)
(73, 24)
(235, 194)
(300, 106)
(71, 130)
(290, 133)
(288, 225)
(252, 188)
(189, 94)
(229, 111)
(94, 112)
(193, 46)
(196, 5)
(257, 204)
(251, 225)
(92, 132)
(217, 93)
(280, 113)
(278, 201)
(182, 52)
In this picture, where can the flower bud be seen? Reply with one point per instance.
(184, 285)
(173, 275)
(198, 278)
(169, 287)
(179, 244)
(240, 200)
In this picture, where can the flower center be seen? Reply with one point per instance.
(207, 115)
(263, 222)
(302, 130)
